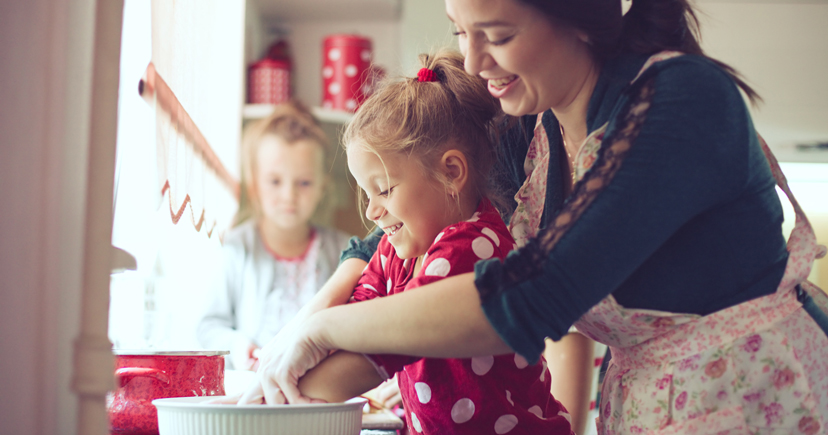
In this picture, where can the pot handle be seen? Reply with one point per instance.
(125, 374)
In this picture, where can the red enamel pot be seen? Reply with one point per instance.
(143, 376)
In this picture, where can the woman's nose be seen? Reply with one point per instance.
(474, 57)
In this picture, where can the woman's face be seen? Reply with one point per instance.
(531, 63)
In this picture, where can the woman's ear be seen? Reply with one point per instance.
(455, 167)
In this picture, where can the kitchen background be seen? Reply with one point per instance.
(60, 91)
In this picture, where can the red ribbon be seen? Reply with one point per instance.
(426, 75)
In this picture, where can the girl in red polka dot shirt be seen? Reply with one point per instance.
(421, 151)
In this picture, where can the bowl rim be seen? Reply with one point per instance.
(195, 404)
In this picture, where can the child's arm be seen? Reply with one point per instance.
(571, 366)
(340, 377)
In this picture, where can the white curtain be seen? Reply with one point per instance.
(196, 52)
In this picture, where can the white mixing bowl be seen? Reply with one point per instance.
(191, 416)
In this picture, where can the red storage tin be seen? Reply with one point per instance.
(268, 82)
(345, 71)
(143, 376)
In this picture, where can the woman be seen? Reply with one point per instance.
(650, 221)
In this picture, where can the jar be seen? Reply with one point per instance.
(142, 376)
(268, 82)
(346, 60)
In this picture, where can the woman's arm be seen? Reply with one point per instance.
(439, 320)
(340, 377)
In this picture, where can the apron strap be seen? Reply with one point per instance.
(801, 219)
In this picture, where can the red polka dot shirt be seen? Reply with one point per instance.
(483, 395)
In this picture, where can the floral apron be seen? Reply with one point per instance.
(757, 367)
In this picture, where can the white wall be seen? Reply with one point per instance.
(45, 65)
(780, 47)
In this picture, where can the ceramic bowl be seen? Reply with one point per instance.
(192, 416)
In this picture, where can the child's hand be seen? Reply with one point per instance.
(243, 356)
(388, 393)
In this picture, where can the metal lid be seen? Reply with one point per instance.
(346, 40)
(150, 352)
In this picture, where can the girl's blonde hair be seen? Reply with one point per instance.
(291, 122)
(424, 119)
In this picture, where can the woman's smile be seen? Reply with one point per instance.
(499, 87)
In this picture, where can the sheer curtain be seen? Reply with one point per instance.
(177, 163)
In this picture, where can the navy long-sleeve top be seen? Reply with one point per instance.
(690, 222)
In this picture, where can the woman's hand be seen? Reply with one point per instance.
(336, 291)
(283, 361)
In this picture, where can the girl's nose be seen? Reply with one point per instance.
(289, 191)
(374, 211)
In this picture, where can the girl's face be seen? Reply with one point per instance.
(410, 207)
(289, 181)
(531, 63)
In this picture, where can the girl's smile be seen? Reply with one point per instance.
(410, 207)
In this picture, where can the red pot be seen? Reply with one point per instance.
(143, 376)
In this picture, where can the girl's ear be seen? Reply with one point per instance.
(455, 167)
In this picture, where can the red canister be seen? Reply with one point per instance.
(143, 376)
(268, 82)
(345, 71)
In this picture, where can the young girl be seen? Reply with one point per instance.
(275, 259)
(425, 183)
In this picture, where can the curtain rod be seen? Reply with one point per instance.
(151, 84)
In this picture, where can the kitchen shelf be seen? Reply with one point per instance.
(258, 111)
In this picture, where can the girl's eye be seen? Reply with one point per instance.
(274, 182)
(305, 183)
(386, 192)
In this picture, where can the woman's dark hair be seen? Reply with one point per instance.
(650, 26)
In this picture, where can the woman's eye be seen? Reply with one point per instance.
(502, 40)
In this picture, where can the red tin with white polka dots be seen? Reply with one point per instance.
(268, 82)
(143, 376)
(346, 78)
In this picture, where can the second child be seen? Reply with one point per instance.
(275, 259)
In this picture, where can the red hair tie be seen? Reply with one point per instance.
(426, 75)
